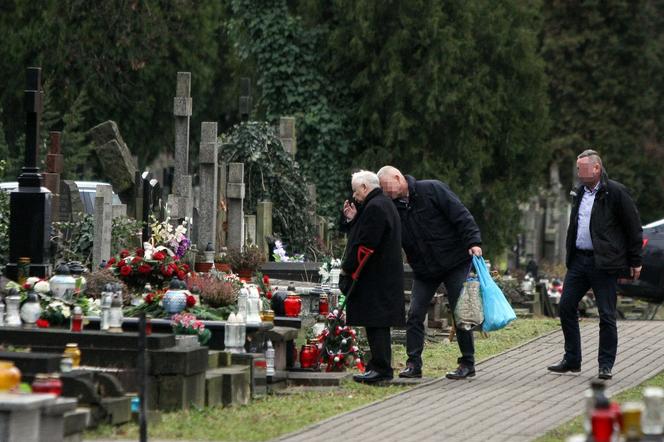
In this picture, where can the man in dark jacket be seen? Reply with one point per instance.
(604, 242)
(439, 236)
(377, 302)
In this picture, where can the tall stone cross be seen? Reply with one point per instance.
(54, 167)
(180, 201)
(30, 204)
(207, 209)
(235, 196)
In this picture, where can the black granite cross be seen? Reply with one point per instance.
(34, 103)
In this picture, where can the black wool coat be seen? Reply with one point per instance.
(437, 229)
(378, 298)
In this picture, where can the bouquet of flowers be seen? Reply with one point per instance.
(187, 324)
(338, 344)
(279, 254)
(264, 290)
(326, 268)
(164, 236)
(138, 268)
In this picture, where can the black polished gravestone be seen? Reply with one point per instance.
(30, 204)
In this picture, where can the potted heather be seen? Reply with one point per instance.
(245, 262)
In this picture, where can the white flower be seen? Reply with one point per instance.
(42, 287)
(66, 312)
(32, 280)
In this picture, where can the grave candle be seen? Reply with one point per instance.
(77, 319)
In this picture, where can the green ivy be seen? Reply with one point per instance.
(271, 174)
(292, 82)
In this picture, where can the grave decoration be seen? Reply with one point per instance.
(329, 271)
(187, 324)
(53, 309)
(265, 291)
(158, 260)
(279, 254)
(244, 262)
(338, 344)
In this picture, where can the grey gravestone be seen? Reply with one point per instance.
(235, 195)
(222, 170)
(263, 225)
(101, 247)
(287, 135)
(207, 209)
(250, 229)
(181, 199)
(114, 156)
(54, 166)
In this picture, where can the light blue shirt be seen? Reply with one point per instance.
(583, 239)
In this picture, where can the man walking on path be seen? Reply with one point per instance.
(377, 302)
(439, 236)
(604, 242)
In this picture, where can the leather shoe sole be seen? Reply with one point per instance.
(372, 380)
(457, 377)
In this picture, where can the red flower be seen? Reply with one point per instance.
(120, 263)
(42, 323)
(144, 269)
(181, 275)
(27, 285)
(266, 279)
(185, 267)
(124, 253)
(140, 252)
(125, 270)
(136, 260)
(149, 298)
(159, 256)
(268, 295)
(111, 261)
(167, 271)
(191, 301)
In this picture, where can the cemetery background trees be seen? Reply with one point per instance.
(605, 62)
(452, 90)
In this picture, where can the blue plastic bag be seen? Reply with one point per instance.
(497, 311)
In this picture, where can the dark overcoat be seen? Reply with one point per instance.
(378, 299)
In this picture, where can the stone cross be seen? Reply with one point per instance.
(180, 201)
(263, 226)
(235, 195)
(245, 98)
(287, 135)
(54, 167)
(207, 208)
(30, 204)
(103, 224)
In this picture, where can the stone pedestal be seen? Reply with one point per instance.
(33, 417)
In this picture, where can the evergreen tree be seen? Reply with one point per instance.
(453, 90)
(604, 60)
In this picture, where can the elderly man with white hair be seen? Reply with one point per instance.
(377, 302)
(439, 236)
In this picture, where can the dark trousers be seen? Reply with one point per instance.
(380, 343)
(420, 299)
(581, 276)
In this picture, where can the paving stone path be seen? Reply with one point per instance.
(513, 398)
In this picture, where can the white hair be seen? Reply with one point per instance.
(367, 178)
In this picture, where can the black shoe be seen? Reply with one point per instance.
(563, 367)
(605, 373)
(372, 377)
(411, 372)
(462, 372)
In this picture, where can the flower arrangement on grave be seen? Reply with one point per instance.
(264, 290)
(54, 310)
(279, 254)
(326, 268)
(338, 344)
(245, 261)
(187, 324)
(158, 260)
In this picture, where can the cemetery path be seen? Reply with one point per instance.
(512, 398)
